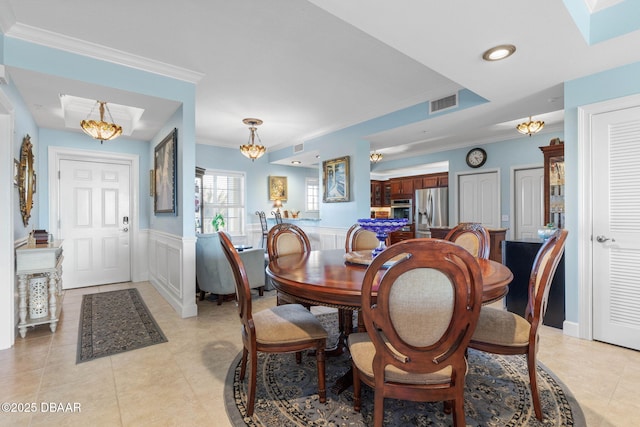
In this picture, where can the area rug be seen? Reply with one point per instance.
(497, 394)
(114, 322)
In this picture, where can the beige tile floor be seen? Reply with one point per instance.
(181, 382)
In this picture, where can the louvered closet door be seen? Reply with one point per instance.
(616, 227)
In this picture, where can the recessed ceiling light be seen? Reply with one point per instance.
(295, 162)
(499, 52)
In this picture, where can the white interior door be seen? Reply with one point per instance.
(529, 206)
(616, 227)
(94, 222)
(479, 199)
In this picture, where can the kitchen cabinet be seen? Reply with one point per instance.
(380, 193)
(404, 234)
(519, 256)
(554, 183)
(386, 193)
(402, 187)
(429, 182)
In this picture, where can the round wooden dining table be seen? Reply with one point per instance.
(323, 277)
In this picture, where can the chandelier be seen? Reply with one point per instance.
(104, 131)
(530, 127)
(375, 157)
(251, 150)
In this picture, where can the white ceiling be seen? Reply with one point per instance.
(308, 68)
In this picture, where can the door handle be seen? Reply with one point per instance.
(602, 239)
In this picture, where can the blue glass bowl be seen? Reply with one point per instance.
(545, 233)
(382, 227)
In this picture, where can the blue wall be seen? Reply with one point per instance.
(24, 125)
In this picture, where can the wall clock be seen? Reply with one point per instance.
(476, 157)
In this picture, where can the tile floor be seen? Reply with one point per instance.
(181, 382)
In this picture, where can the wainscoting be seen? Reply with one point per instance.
(172, 270)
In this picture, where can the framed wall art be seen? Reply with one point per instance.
(278, 188)
(165, 172)
(335, 180)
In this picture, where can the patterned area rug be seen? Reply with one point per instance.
(497, 394)
(115, 322)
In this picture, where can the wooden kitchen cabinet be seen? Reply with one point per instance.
(380, 193)
(402, 187)
(404, 234)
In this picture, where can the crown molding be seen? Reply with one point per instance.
(85, 48)
(7, 17)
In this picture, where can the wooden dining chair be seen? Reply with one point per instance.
(265, 228)
(282, 329)
(359, 239)
(472, 236)
(502, 332)
(418, 325)
(285, 239)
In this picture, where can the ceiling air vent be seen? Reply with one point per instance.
(299, 148)
(443, 103)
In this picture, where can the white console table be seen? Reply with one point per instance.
(39, 262)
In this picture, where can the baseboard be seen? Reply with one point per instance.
(571, 329)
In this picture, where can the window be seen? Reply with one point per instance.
(223, 192)
(312, 195)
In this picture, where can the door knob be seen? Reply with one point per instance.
(602, 239)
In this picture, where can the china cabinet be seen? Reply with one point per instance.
(554, 183)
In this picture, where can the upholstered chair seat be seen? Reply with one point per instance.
(286, 324)
(363, 351)
(501, 327)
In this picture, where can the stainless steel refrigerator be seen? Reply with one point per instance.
(432, 210)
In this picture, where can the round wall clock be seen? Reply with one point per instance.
(476, 157)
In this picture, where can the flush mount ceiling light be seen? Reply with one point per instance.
(104, 131)
(375, 157)
(530, 127)
(499, 52)
(251, 150)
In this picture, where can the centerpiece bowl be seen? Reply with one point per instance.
(382, 227)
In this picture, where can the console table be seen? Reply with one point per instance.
(39, 271)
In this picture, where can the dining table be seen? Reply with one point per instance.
(333, 278)
(327, 277)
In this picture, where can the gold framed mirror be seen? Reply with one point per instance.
(26, 179)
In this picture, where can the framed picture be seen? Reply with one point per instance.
(16, 171)
(152, 183)
(278, 188)
(166, 174)
(335, 180)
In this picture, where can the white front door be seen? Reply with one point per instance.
(616, 227)
(479, 199)
(94, 222)
(529, 194)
